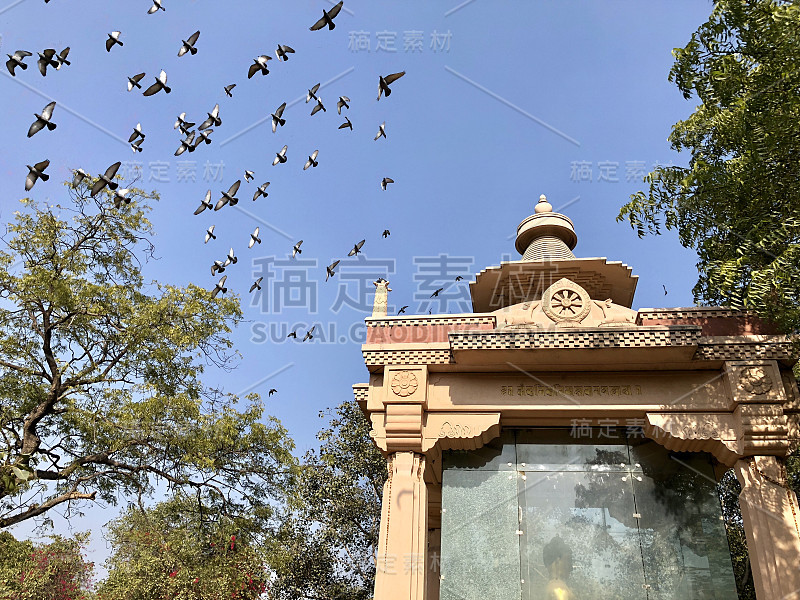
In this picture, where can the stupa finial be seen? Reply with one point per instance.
(543, 205)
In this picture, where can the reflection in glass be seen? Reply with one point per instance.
(574, 519)
(480, 545)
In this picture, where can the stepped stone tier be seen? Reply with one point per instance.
(553, 341)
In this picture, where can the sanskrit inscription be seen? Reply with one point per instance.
(570, 390)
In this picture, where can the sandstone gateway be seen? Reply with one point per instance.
(556, 444)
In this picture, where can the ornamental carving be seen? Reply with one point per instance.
(455, 431)
(404, 383)
(566, 302)
(755, 380)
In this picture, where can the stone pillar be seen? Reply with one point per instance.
(772, 525)
(402, 546)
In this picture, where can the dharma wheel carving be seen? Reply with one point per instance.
(565, 301)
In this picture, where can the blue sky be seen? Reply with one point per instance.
(501, 102)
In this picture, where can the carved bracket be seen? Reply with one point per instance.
(459, 431)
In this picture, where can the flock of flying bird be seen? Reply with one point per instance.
(193, 139)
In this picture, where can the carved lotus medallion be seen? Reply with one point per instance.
(755, 380)
(404, 383)
(565, 301)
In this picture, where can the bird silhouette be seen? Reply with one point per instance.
(272, 391)
(36, 172)
(205, 204)
(402, 310)
(276, 117)
(259, 64)
(15, 60)
(280, 157)
(113, 40)
(296, 250)
(346, 125)
(106, 179)
(220, 287)
(133, 82)
(386, 181)
(386, 233)
(436, 293)
(329, 269)
(256, 284)
(283, 51)
(309, 333)
(356, 248)
(342, 103)
(160, 84)
(312, 160)
(188, 45)
(383, 83)
(381, 131)
(43, 120)
(327, 18)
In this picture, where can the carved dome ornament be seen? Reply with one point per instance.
(755, 381)
(566, 302)
(404, 383)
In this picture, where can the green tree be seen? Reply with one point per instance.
(181, 550)
(325, 547)
(56, 570)
(738, 202)
(100, 390)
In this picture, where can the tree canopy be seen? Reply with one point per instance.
(100, 389)
(325, 545)
(738, 202)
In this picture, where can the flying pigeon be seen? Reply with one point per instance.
(254, 239)
(79, 175)
(213, 119)
(218, 267)
(386, 181)
(309, 333)
(228, 89)
(330, 269)
(62, 58)
(205, 204)
(202, 136)
(280, 157)
(282, 51)
(261, 191)
(312, 160)
(248, 176)
(120, 197)
(327, 18)
(106, 179)
(36, 172)
(459, 278)
(137, 132)
(381, 131)
(296, 250)
(220, 287)
(46, 59)
(185, 144)
(665, 289)
(259, 64)
(293, 334)
(319, 106)
(402, 310)
(386, 233)
(256, 284)
(312, 93)
(133, 82)
(383, 83)
(43, 120)
(183, 124)
(276, 117)
(15, 60)
(346, 124)
(229, 196)
(231, 259)
(356, 248)
(188, 45)
(436, 293)
(160, 84)
(113, 38)
(137, 145)
(156, 7)
(343, 101)
(210, 232)
(273, 391)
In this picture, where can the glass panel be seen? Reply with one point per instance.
(580, 537)
(556, 450)
(497, 455)
(480, 545)
(684, 545)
